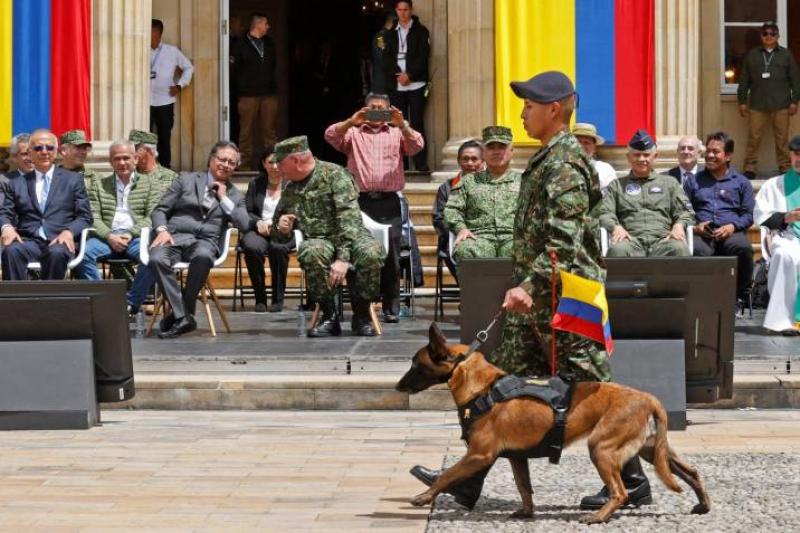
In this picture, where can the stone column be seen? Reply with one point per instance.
(677, 74)
(120, 72)
(470, 76)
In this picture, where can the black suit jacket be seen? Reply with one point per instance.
(254, 199)
(417, 54)
(181, 211)
(676, 172)
(67, 205)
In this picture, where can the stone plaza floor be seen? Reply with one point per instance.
(348, 471)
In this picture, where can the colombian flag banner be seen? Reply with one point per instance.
(607, 48)
(583, 309)
(45, 66)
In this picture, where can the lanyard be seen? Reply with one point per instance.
(253, 42)
(768, 62)
(154, 59)
(403, 47)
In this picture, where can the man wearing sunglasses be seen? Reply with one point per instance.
(42, 214)
(769, 89)
(189, 221)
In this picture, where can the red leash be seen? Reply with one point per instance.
(554, 263)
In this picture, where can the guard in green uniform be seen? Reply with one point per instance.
(481, 210)
(645, 213)
(321, 200)
(148, 165)
(74, 149)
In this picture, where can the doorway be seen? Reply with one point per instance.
(324, 52)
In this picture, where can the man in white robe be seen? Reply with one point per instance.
(778, 210)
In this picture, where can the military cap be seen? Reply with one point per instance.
(75, 137)
(142, 137)
(550, 86)
(292, 145)
(794, 144)
(641, 141)
(497, 134)
(584, 129)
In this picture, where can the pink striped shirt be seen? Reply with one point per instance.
(375, 154)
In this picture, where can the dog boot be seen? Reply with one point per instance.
(362, 323)
(466, 493)
(636, 484)
(328, 324)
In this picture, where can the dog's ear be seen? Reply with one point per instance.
(437, 344)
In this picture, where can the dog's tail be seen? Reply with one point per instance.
(661, 449)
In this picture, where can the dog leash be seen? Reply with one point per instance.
(483, 334)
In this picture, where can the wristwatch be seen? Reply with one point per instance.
(160, 229)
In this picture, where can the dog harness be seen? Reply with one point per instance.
(554, 392)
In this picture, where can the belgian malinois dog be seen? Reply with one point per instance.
(620, 422)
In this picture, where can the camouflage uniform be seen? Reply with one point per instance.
(162, 175)
(326, 206)
(558, 189)
(485, 206)
(647, 208)
(78, 138)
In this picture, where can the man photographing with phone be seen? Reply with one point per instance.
(375, 140)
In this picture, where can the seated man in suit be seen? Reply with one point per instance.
(42, 215)
(20, 155)
(189, 221)
(723, 203)
(121, 205)
(322, 200)
(645, 213)
(689, 149)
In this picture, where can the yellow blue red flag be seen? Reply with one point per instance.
(583, 309)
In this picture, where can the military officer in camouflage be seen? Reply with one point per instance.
(559, 188)
(481, 209)
(321, 200)
(148, 165)
(645, 213)
(74, 150)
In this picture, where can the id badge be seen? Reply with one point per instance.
(152, 74)
(765, 75)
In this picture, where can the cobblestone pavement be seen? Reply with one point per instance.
(333, 471)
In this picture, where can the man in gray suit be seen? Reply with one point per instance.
(189, 220)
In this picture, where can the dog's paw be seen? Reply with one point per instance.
(700, 508)
(592, 519)
(420, 500)
(522, 513)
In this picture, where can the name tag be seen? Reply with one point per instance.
(765, 75)
(152, 74)
(655, 190)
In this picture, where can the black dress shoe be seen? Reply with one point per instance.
(364, 329)
(390, 318)
(261, 307)
(636, 484)
(167, 322)
(184, 325)
(276, 307)
(466, 493)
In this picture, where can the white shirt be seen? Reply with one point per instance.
(163, 61)
(269, 207)
(122, 216)
(402, 48)
(684, 173)
(605, 172)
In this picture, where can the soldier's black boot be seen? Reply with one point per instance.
(636, 484)
(362, 323)
(328, 323)
(466, 493)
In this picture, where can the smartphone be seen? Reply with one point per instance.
(379, 115)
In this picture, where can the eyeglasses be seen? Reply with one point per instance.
(225, 161)
(769, 34)
(43, 147)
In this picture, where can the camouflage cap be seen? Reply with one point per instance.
(142, 137)
(497, 134)
(75, 137)
(292, 145)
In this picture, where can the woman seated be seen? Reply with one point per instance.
(263, 194)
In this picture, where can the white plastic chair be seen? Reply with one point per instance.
(208, 287)
(79, 257)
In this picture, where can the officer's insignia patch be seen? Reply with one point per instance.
(379, 42)
(656, 190)
(633, 189)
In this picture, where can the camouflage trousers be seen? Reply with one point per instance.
(526, 344)
(484, 246)
(366, 255)
(649, 247)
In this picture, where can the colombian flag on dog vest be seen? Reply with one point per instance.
(583, 309)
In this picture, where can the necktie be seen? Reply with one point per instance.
(45, 191)
(686, 176)
(209, 200)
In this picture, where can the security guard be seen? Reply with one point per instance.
(645, 213)
(481, 210)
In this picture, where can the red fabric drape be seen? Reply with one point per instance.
(635, 58)
(71, 65)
